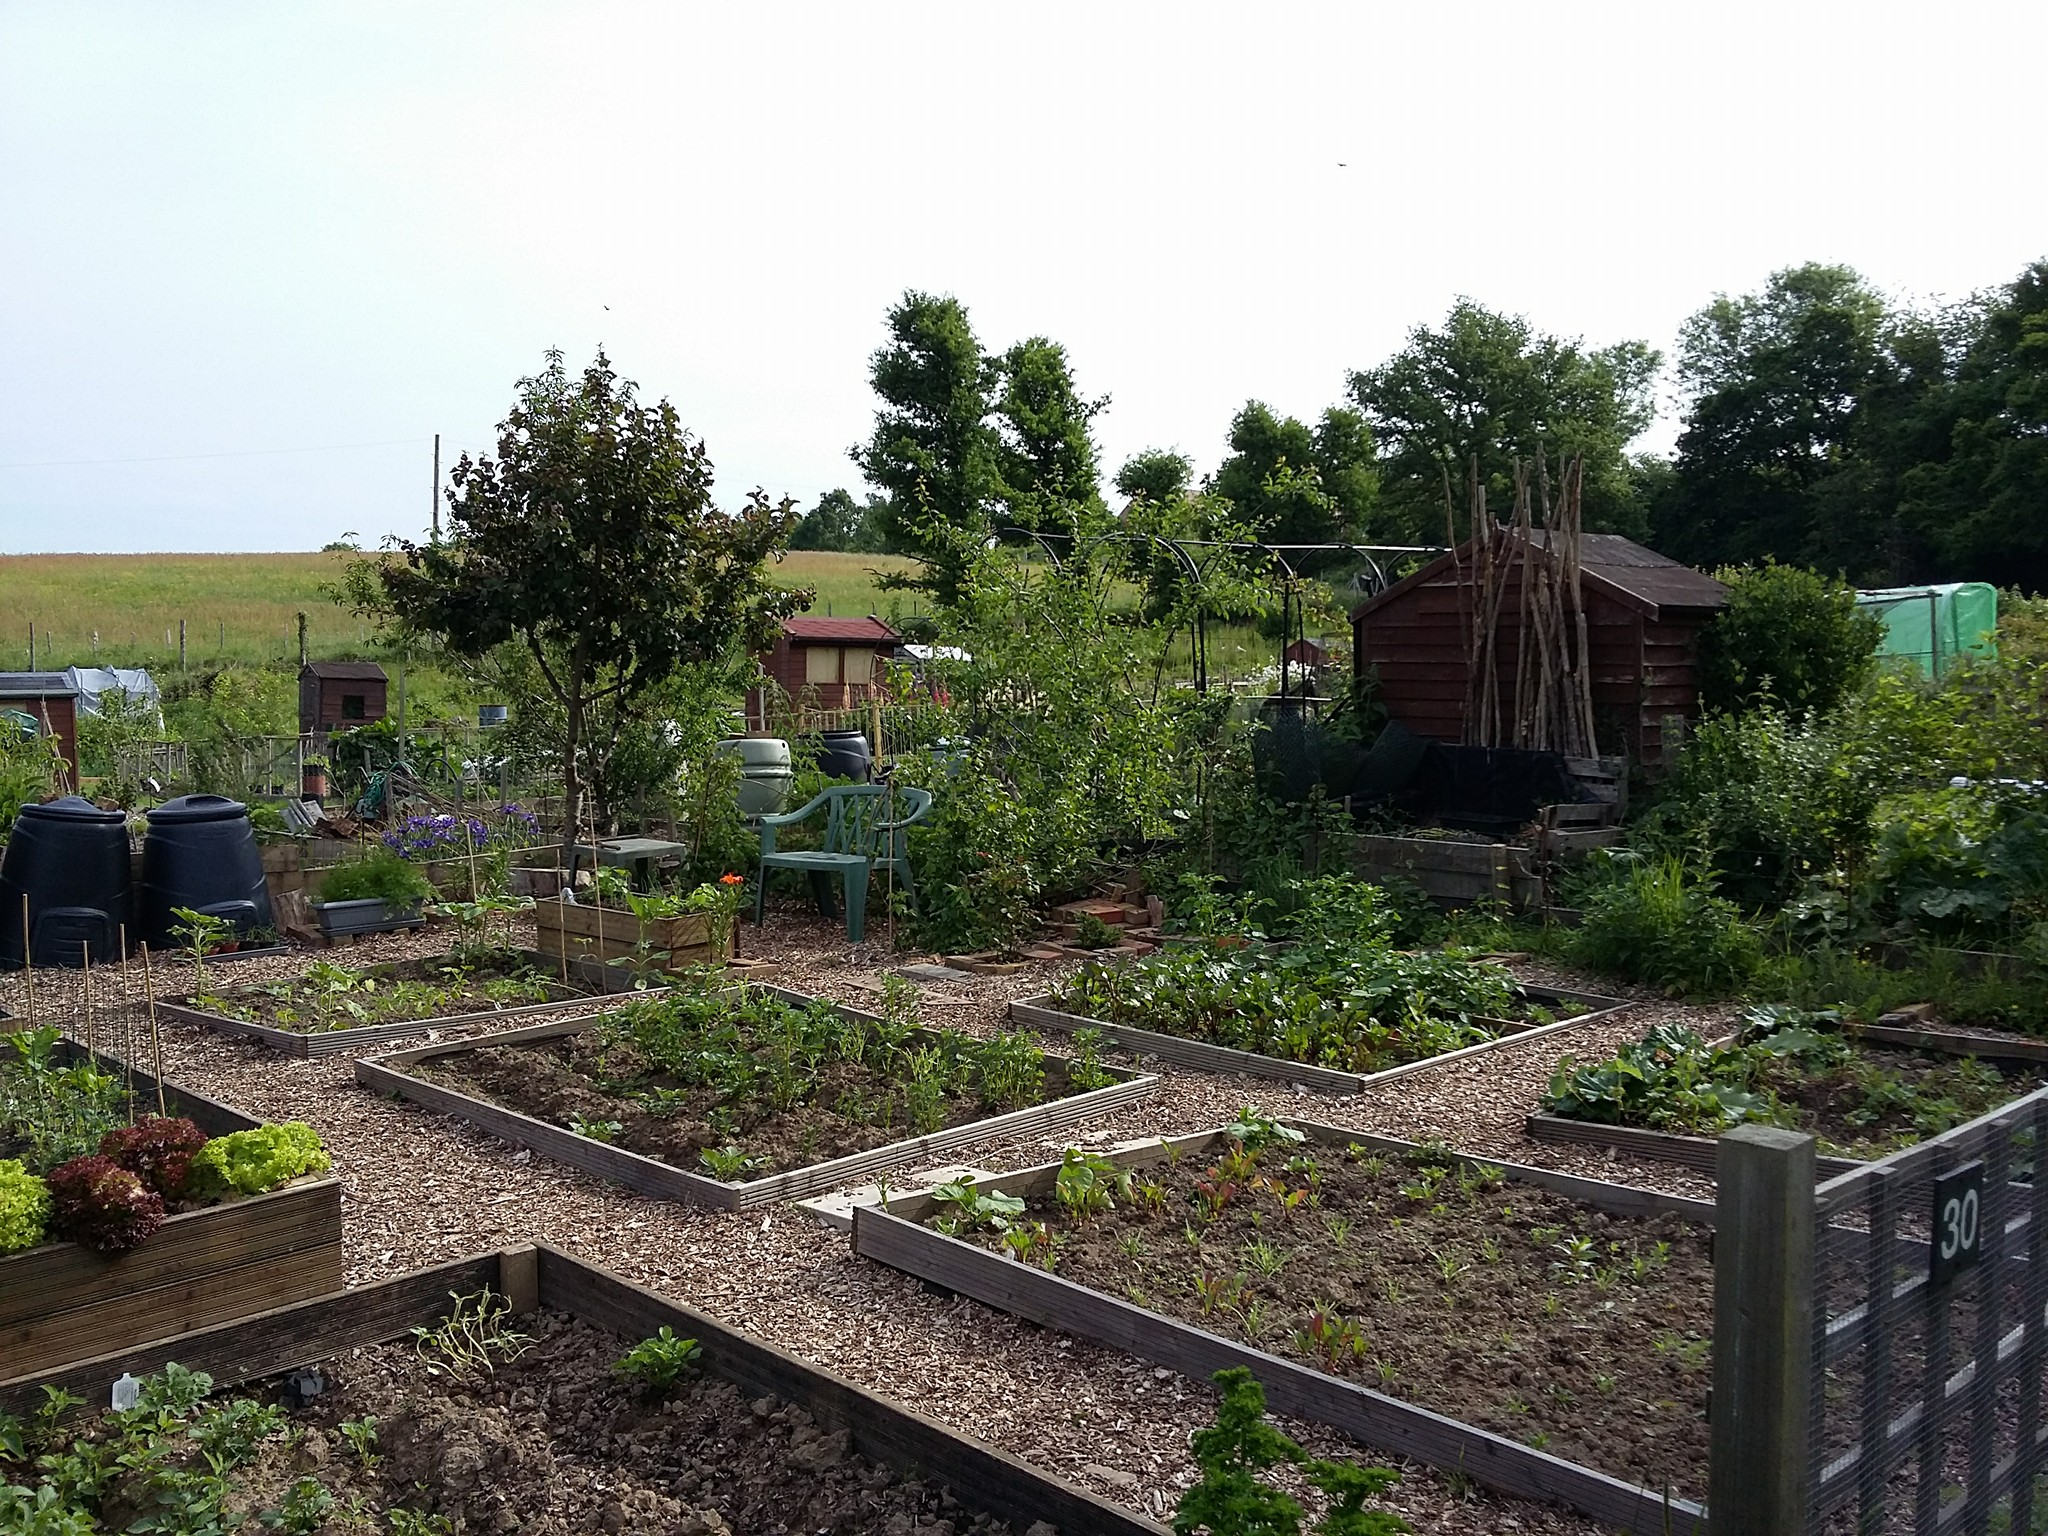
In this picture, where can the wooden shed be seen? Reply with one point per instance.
(339, 695)
(51, 700)
(1643, 616)
(827, 663)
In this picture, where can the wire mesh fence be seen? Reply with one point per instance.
(1931, 1280)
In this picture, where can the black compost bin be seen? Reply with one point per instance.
(845, 755)
(69, 859)
(201, 853)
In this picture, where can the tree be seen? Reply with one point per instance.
(1974, 498)
(1299, 485)
(933, 451)
(1047, 454)
(591, 540)
(1157, 475)
(1766, 467)
(832, 524)
(1490, 385)
(1789, 638)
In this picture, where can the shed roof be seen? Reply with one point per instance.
(346, 671)
(1635, 576)
(810, 630)
(36, 685)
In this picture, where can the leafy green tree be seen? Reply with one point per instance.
(591, 540)
(1766, 464)
(934, 452)
(1974, 496)
(1790, 638)
(1048, 453)
(1157, 475)
(1297, 484)
(833, 524)
(1490, 385)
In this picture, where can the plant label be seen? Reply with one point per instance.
(1957, 1243)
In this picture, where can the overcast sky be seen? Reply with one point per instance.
(228, 231)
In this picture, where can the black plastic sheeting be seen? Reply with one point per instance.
(1481, 789)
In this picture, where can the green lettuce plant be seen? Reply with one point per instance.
(250, 1162)
(24, 1207)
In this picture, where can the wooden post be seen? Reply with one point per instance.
(1758, 1455)
(181, 645)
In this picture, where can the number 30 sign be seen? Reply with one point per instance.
(1958, 1223)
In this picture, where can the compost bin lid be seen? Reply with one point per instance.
(190, 808)
(71, 808)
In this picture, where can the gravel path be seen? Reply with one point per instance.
(421, 1188)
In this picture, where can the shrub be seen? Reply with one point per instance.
(157, 1151)
(1655, 922)
(977, 882)
(1789, 637)
(381, 877)
(24, 1207)
(97, 1202)
(1962, 861)
(250, 1162)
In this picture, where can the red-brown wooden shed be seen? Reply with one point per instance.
(340, 695)
(827, 663)
(1644, 613)
(51, 700)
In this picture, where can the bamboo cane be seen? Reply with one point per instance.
(28, 964)
(156, 1042)
(91, 1032)
(127, 1023)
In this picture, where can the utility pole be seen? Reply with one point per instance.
(437, 488)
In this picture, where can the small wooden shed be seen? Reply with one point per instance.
(1643, 611)
(339, 695)
(827, 663)
(51, 700)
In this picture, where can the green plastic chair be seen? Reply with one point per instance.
(857, 839)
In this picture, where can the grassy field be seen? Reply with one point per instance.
(123, 610)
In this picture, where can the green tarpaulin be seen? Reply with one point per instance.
(1932, 626)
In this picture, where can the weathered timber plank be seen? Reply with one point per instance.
(1382, 1422)
(272, 1341)
(187, 1303)
(40, 1282)
(880, 1429)
(1695, 1152)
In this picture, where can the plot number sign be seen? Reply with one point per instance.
(1958, 1223)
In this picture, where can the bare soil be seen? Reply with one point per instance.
(462, 990)
(1501, 1305)
(1917, 1095)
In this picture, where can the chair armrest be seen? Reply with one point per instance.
(790, 818)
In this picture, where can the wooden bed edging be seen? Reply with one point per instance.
(303, 1334)
(304, 1044)
(1201, 1056)
(386, 1074)
(1373, 1419)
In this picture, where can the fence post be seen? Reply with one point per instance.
(1758, 1456)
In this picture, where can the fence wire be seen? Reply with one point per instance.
(1926, 1384)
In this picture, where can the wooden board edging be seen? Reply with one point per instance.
(888, 1432)
(1383, 1423)
(1694, 1152)
(647, 1176)
(1201, 1056)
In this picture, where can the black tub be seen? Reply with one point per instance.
(201, 853)
(69, 859)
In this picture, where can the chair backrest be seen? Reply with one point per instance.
(851, 812)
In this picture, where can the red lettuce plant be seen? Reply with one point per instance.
(97, 1202)
(156, 1150)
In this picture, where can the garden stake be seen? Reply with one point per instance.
(28, 964)
(127, 1023)
(156, 1043)
(85, 950)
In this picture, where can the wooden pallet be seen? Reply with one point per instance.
(530, 1277)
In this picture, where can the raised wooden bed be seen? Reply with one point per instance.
(1202, 1056)
(1697, 1152)
(387, 1074)
(597, 980)
(894, 1235)
(533, 1277)
(62, 1301)
(613, 933)
(1453, 871)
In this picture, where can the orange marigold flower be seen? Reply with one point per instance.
(732, 879)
